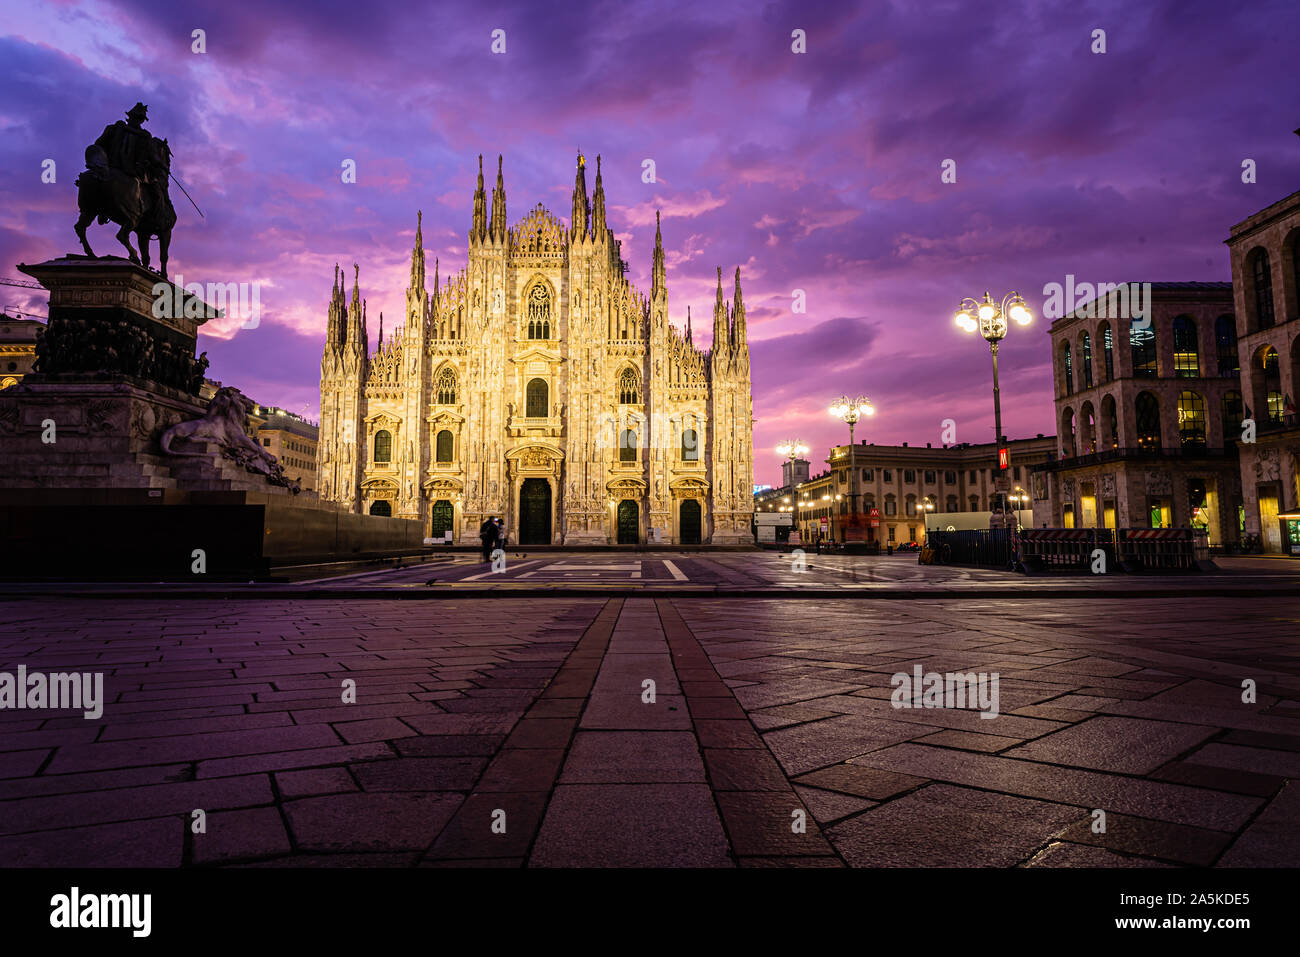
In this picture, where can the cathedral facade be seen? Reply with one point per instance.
(540, 386)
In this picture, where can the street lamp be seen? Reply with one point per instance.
(850, 410)
(990, 319)
(792, 449)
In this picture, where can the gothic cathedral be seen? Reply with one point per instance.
(540, 386)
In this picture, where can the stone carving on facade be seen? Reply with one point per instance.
(1107, 485)
(90, 346)
(1159, 482)
(223, 424)
(1267, 466)
(1067, 489)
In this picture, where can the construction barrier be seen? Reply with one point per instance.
(996, 546)
(1064, 549)
(1157, 549)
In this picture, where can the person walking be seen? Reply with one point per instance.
(487, 533)
(501, 534)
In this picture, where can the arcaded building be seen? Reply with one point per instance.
(539, 385)
(1148, 412)
(1265, 251)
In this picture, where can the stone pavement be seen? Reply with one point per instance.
(647, 731)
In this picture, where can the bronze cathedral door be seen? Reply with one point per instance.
(535, 512)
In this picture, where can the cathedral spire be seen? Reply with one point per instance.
(417, 257)
(478, 228)
(381, 332)
(658, 276)
(721, 337)
(435, 285)
(580, 199)
(598, 206)
(738, 318)
(497, 228)
(688, 325)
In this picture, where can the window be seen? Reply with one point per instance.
(929, 477)
(909, 476)
(1067, 433)
(444, 445)
(1142, 343)
(539, 313)
(628, 388)
(889, 475)
(891, 533)
(950, 478)
(1263, 282)
(911, 533)
(1225, 345)
(951, 504)
(1015, 472)
(1110, 437)
(1108, 351)
(266, 442)
(868, 475)
(383, 446)
(1085, 354)
(1187, 362)
(1147, 408)
(973, 476)
(1191, 420)
(909, 505)
(974, 503)
(1232, 415)
(891, 506)
(627, 446)
(535, 399)
(1272, 386)
(445, 386)
(1067, 368)
(690, 446)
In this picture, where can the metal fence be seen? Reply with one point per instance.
(993, 546)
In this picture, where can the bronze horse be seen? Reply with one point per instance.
(140, 207)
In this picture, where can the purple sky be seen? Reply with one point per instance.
(818, 171)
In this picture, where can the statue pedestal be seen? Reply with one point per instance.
(86, 489)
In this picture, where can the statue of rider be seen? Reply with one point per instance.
(128, 148)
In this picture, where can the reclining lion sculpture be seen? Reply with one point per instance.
(223, 424)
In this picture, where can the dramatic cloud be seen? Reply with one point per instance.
(817, 172)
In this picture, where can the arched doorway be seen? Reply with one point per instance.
(689, 522)
(535, 512)
(381, 507)
(628, 533)
(443, 514)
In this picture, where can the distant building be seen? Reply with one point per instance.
(1147, 415)
(901, 483)
(292, 440)
(1265, 252)
(17, 348)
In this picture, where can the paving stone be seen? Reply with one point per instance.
(420, 774)
(1284, 764)
(1123, 745)
(1154, 839)
(1062, 854)
(724, 733)
(533, 732)
(740, 769)
(828, 806)
(633, 757)
(969, 741)
(470, 832)
(945, 826)
(369, 822)
(378, 729)
(522, 769)
(1273, 838)
(861, 781)
(294, 784)
(631, 825)
(761, 823)
(238, 835)
(158, 842)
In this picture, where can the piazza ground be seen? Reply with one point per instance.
(502, 719)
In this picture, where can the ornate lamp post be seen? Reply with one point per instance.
(850, 410)
(792, 449)
(990, 319)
